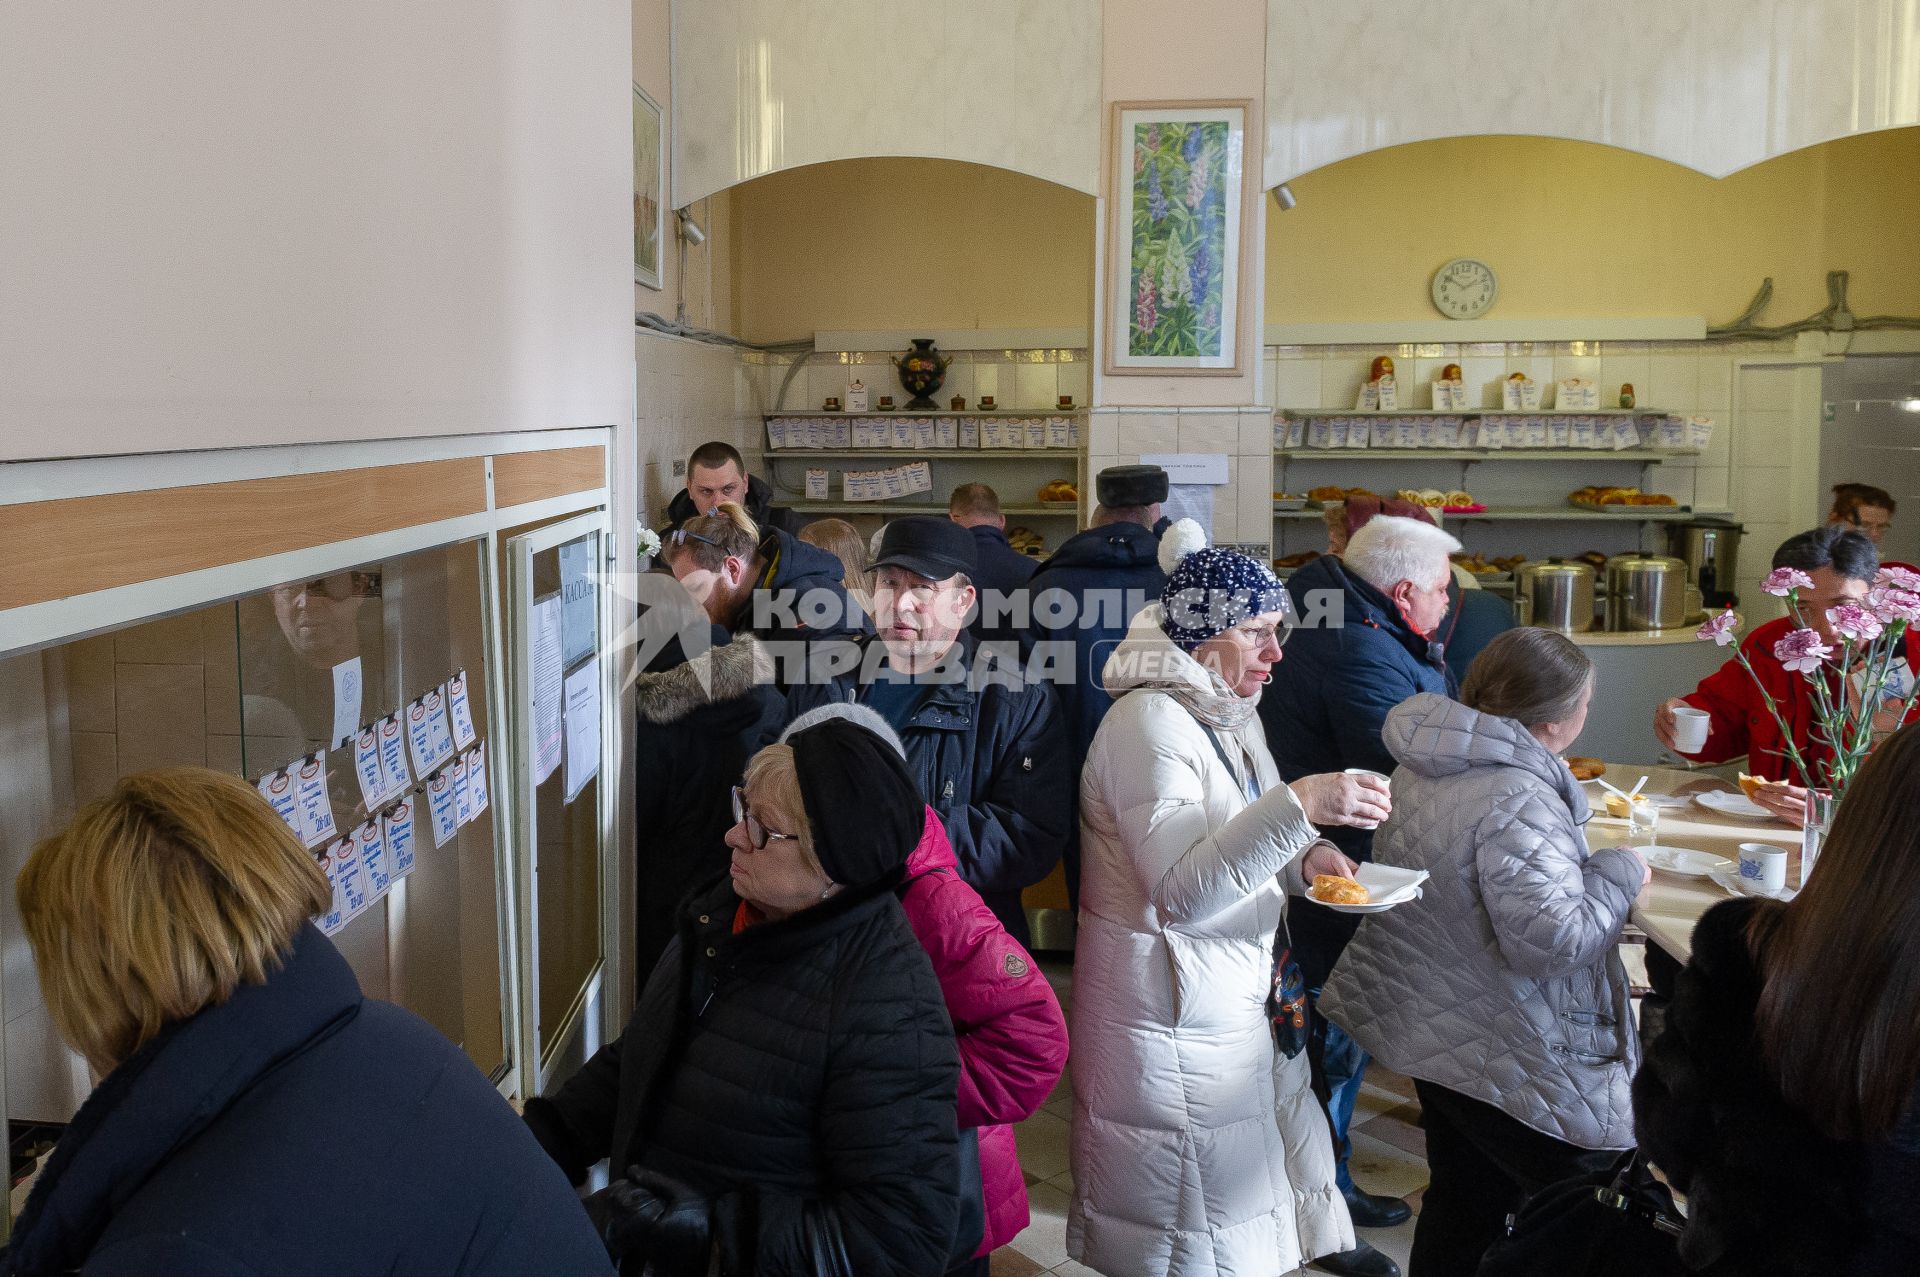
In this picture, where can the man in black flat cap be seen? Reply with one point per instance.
(986, 745)
(1087, 594)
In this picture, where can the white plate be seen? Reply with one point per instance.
(1730, 803)
(1730, 880)
(1685, 862)
(1388, 886)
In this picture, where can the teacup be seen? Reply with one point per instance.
(1764, 866)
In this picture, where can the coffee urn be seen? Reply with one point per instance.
(1647, 593)
(1710, 548)
(1555, 594)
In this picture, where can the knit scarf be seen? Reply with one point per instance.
(1218, 705)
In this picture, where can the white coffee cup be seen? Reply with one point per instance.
(1764, 866)
(1690, 729)
(1385, 784)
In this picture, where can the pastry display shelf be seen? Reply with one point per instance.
(1557, 514)
(889, 413)
(1649, 456)
(896, 506)
(920, 454)
(1308, 414)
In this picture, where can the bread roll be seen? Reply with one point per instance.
(1334, 890)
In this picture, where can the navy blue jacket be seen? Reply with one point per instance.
(1474, 617)
(299, 1128)
(1003, 570)
(992, 761)
(1324, 708)
(1121, 563)
(798, 600)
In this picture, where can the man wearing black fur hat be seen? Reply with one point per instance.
(984, 742)
(1086, 595)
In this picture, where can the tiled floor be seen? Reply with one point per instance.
(1389, 1156)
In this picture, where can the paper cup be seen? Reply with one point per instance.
(1764, 865)
(1385, 783)
(1689, 729)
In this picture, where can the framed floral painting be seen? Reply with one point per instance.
(1178, 202)
(649, 187)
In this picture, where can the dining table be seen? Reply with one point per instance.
(1670, 905)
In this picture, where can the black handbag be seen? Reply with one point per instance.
(972, 1225)
(1615, 1224)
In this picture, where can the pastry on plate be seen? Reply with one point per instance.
(1335, 890)
(1586, 768)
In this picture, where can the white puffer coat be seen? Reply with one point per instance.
(1503, 981)
(1198, 1149)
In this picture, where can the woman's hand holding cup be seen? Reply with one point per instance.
(1357, 798)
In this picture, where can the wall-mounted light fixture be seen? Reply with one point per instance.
(1910, 404)
(689, 229)
(1283, 196)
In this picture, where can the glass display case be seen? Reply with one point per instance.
(252, 686)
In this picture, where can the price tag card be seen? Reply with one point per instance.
(346, 701)
(351, 877)
(1059, 432)
(460, 710)
(393, 755)
(310, 796)
(901, 435)
(868, 433)
(918, 477)
(1036, 433)
(477, 779)
(946, 433)
(462, 803)
(441, 734)
(279, 792)
(892, 482)
(371, 848)
(925, 433)
(441, 809)
(336, 915)
(840, 433)
(816, 485)
(420, 742)
(1389, 394)
(367, 770)
(1510, 394)
(777, 432)
(969, 432)
(396, 831)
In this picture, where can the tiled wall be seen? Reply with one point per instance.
(689, 392)
(1243, 508)
(1032, 379)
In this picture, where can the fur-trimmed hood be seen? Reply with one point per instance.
(720, 674)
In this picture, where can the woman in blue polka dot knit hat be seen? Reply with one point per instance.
(1190, 845)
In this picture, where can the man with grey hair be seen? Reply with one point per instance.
(1366, 644)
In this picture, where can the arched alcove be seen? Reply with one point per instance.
(907, 242)
(1577, 229)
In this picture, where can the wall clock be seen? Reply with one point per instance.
(1464, 288)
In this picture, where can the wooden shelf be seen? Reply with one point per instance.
(1065, 510)
(921, 454)
(1649, 455)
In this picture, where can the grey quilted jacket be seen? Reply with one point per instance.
(1502, 982)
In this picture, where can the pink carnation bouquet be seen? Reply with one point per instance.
(1854, 692)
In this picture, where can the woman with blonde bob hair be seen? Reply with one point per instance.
(255, 1113)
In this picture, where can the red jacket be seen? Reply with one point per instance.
(1012, 1037)
(1741, 723)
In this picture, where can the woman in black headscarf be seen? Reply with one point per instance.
(784, 1094)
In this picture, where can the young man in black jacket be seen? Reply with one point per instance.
(984, 742)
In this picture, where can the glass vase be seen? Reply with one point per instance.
(1820, 806)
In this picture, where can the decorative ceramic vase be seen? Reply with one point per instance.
(922, 369)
